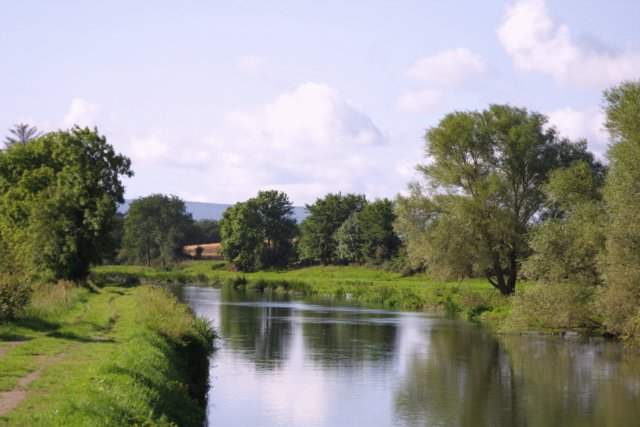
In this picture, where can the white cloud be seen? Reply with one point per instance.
(448, 68)
(415, 101)
(536, 43)
(308, 142)
(161, 149)
(587, 124)
(82, 113)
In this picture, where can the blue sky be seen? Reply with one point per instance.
(214, 101)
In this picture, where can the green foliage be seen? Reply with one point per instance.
(567, 247)
(14, 297)
(58, 197)
(621, 297)
(259, 233)
(486, 184)
(380, 242)
(155, 229)
(349, 239)
(368, 235)
(554, 308)
(326, 215)
(204, 231)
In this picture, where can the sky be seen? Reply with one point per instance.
(214, 101)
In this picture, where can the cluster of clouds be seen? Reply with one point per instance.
(311, 140)
(536, 43)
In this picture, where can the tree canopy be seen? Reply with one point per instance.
(58, 197)
(259, 233)
(155, 229)
(326, 215)
(485, 187)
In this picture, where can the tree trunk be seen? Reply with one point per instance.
(506, 287)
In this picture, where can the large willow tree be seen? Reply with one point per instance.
(484, 187)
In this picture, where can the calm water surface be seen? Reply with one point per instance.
(303, 362)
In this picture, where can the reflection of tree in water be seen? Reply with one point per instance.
(572, 384)
(471, 378)
(464, 380)
(263, 332)
(337, 338)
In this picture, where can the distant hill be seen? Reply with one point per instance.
(200, 210)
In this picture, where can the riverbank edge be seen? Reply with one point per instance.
(472, 300)
(114, 352)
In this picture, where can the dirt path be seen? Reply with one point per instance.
(12, 398)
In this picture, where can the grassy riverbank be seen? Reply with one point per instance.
(103, 354)
(471, 298)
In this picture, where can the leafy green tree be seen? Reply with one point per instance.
(58, 198)
(621, 297)
(205, 231)
(368, 235)
(486, 186)
(242, 237)
(155, 229)
(258, 233)
(380, 241)
(326, 215)
(566, 248)
(349, 239)
(21, 134)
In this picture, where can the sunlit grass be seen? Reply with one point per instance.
(472, 298)
(107, 355)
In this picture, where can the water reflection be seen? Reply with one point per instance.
(292, 362)
(262, 331)
(465, 379)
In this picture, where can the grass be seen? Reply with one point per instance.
(106, 355)
(473, 298)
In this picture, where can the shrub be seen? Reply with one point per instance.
(554, 308)
(14, 297)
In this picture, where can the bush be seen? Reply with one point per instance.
(554, 308)
(14, 297)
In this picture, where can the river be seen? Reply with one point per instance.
(292, 361)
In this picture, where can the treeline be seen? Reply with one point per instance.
(340, 229)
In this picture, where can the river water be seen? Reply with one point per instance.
(290, 361)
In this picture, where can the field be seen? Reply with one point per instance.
(210, 251)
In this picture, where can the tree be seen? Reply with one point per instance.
(155, 229)
(58, 198)
(486, 186)
(349, 240)
(621, 296)
(368, 235)
(380, 241)
(21, 134)
(566, 247)
(326, 215)
(204, 231)
(259, 233)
